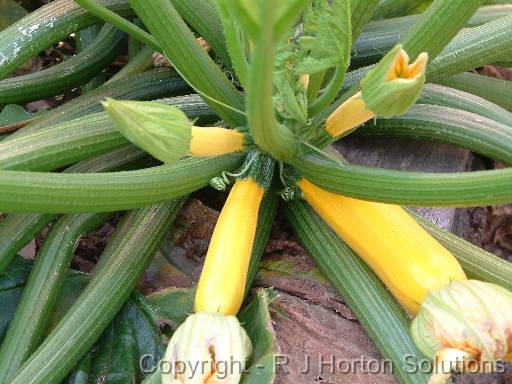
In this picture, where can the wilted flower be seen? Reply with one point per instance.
(206, 348)
(467, 323)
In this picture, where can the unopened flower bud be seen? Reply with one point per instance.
(161, 130)
(206, 348)
(394, 85)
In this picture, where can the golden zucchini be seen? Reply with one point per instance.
(222, 283)
(406, 258)
(215, 141)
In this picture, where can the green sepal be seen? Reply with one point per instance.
(161, 130)
(388, 98)
(424, 341)
(261, 168)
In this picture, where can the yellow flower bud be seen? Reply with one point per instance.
(469, 320)
(389, 89)
(206, 348)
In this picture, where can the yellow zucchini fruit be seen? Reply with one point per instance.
(215, 141)
(221, 286)
(406, 258)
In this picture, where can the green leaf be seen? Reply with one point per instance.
(11, 286)
(271, 136)
(115, 359)
(326, 36)
(13, 113)
(131, 335)
(255, 318)
(172, 305)
(162, 130)
(10, 11)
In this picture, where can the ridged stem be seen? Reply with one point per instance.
(192, 62)
(30, 321)
(476, 262)
(16, 230)
(119, 22)
(101, 300)
(447, 125)
(463, 189)
(376, 309)
(496, 90)
(66, 75)
(438, 26)
(86, 192)
(143, 86)
(46, 26)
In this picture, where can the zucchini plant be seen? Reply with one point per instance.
(282, 80)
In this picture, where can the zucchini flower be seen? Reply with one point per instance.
(388, 90)
(206, 348)
(465, 326)
(166, 132)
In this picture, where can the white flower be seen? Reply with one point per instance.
(206, 348)
(467, 323)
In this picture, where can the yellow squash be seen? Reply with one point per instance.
(407, 259)
(222, 283)
(215, 141)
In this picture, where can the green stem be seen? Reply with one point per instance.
(46, 26)
(438, 26)
(447, 125)
(330, 92)
(482, 45)
(142, 61)
(66, 143)
(120, 23)
(203, 17)
(496, 90)
(476, 262)
(395, 8)
(102, 299)
(42, 289)
(376, 309)
(271, 137)
(192, 62)
(16, 230)
(143, 86)
(434, 94)
(87, 192)
(362, 11)
(266, 215)
(83, 40)
(64, 76)
(234, 43)
(316, 81)
(463, 189)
